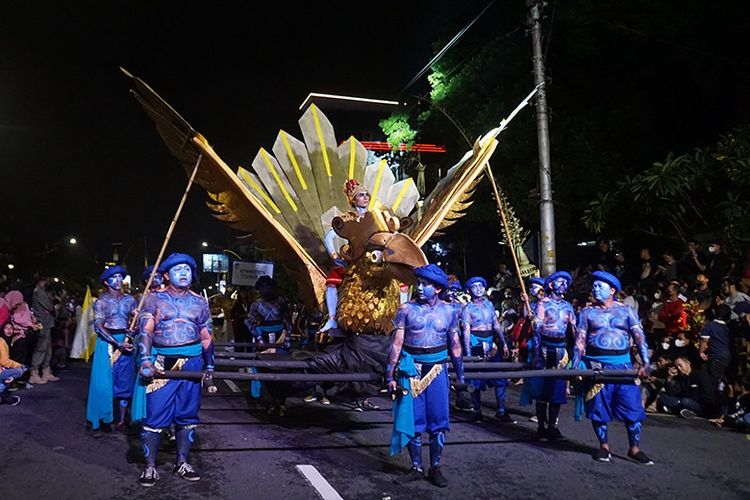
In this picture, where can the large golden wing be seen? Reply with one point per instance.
(232, 200)
(447, 202)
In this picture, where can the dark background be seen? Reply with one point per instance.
(79, 158)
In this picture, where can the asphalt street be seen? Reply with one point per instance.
(241, 452)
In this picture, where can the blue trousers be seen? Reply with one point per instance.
(177, 402)
(616, 401)
(431, 408)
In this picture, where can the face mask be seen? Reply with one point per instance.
(657, 295)
(680, 343)
(712, 249)
(665, 345)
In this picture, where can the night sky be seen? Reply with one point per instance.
(80, 158)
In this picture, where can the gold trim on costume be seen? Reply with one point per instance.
(158, 383)
(418, 385)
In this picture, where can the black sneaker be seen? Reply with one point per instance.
(366, 405)
(148, 477)
(504, 418)
(436, 477)
(185, 471)
(602, 455)
(685, 413)
(11, 400)
(641, 458)
(541, 433)
(476, 416)
(554, 434)
(414, 474)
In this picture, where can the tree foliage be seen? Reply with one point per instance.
(627, 82)
(699, 192)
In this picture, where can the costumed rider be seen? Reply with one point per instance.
(426, 334)
(603, 342)
(482, 336)
(554, 316)
(113, 370)
(359, 200)
(268, 318)
(175, 334)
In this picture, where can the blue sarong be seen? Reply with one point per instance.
(405, 423)
(264, 331)
(139, 408)
(108, 381)
(605, 402)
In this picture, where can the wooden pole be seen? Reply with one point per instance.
(166, 242)
(508, 239)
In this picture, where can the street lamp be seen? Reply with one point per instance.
(73, 241)
(204, 244)
(11, 266)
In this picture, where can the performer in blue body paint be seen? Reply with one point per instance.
(113, 370)
(451, 296)
(527, 342)
(425, 336)
(268, 317)
(603, 342)
(175, 334)
(482, 337)
(554, 316)
(157, 283)
(269, 322)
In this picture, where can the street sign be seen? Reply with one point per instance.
(247, 273)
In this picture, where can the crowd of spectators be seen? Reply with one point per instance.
(695, 310)
(37, 322)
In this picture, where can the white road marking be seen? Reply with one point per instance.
(232, 385)
(323, 487)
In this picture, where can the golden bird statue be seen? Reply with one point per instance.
(292, 194)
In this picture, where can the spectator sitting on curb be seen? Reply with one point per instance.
(691, 394)
(9, 369)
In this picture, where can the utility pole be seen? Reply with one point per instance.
(546, 208)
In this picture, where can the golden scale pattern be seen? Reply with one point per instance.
(368, 303)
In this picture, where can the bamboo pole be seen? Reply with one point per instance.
(165, 243)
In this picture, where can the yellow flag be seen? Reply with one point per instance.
(85, 337)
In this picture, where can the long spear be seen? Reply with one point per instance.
(165, 243)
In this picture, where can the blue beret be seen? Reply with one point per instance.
(536, 279)
(476, 279)
(608, 278)
(454, 284)
(147, 273)
(179, 258)
(558, 274)
(433, 273)
(111, 271)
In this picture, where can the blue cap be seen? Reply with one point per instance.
(608, 278)
(536, 280)
(454, 283)
(111, 271)
(433, 273)
(179, 258)
(147, 273)
(558, 274)
(476, 279)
